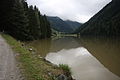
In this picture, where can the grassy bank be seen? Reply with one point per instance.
(32, 66)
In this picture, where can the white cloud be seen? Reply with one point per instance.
(78, 10)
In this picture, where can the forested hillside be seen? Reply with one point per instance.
(63, 26)
(22, 21)
(105, 22)
(73, 24)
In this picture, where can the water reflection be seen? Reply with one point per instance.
(77, 53)
(64, 43)
(42, 46)
(45, 46)
(106, 50)
(84, 66)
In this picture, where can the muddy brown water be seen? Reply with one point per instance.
(89, 58)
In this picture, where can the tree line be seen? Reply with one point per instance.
(22, 21)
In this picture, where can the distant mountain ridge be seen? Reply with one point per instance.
(73, 24)
(105, 22)
(63, 26)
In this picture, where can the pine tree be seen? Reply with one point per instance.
(48, 28)
(23, 22)
(37, 20)
(45, 27)
(18, 22)
(5, 12)
(34, 25)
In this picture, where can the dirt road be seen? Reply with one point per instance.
(8, 66)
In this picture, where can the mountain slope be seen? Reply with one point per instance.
(63, 26)
(105, 22)
(73, 24)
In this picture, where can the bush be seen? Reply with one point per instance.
(66, 68)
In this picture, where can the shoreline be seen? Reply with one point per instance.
(33, 67)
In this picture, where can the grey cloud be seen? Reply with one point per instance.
(77, 10)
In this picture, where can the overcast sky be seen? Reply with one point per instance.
(76, 10)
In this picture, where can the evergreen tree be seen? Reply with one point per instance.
(5, 12)
(23, 22)
(37, 22)
(18, 22)
(34, 25)
(48, 28)
(45, 27)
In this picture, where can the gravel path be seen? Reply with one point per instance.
(8, 66)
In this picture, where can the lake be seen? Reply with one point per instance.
(89, 58)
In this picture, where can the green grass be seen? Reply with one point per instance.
(31, 66)
(66, 68)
